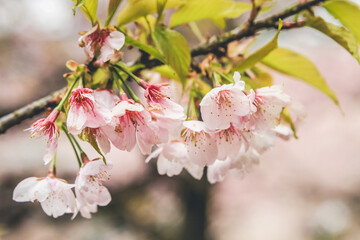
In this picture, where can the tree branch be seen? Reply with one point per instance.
(40, 105)
(250, 29)
(29, 110)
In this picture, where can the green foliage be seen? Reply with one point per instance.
(194, 10)
(347, 12)
(88, 136)
(112, 7)
(298, 66)
(339, 34)
(167, 71)
(286, 116)
(135, 9)
(174, 47)
(251, 60)
(146, 48)
(88, 7)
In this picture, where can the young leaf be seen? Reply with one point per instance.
(174, 47)
(166, 71)
(339, 34)
(195, 10)
(112, 7)
(347, 12)
(146, 48)
(259, 54)
(89, 9)
(140, 8)
(298, 66)
(87, 136)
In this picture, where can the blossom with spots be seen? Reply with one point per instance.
(132, 124)
(172, 158)
(200, 143)
(89, 188)
(102, 43)
(266, 106)
(54, 194)
(223, 104)
(47, 127)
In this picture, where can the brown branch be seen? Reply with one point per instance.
(250, 30)
(29, 110)
(40, 105)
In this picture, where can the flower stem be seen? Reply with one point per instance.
(67, 95)
(123, 68)
(53, 166)
(129, 90)
(63, 127)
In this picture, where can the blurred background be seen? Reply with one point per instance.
(302, 189)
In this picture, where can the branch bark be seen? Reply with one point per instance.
(248, 30)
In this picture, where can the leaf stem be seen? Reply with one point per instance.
(129, 90)
(67, 95)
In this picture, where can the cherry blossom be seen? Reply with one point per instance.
(168, 114)
(85, 111)
(102, 42)
(200, 143)
(132, 124)
(172, 158)
(223, 104)
(47, 127)
(267, 104)
(89, 189)
(54, 194)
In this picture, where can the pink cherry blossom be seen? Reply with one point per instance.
(105, 40)
(47, 127)
(172, 158)
(223, 104)
(229, 142)
(54, 194)
(89, 188)
(168, 114)
(200, 143)
(267, 104)
(132, 124)
(85, 111)
(105, 101)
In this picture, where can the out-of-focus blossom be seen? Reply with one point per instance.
(200, 143)
(101, 43)
(172, 158)
(89, 189)
(47, 127)
(54, 194)
(223, 104)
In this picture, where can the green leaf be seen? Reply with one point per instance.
(112, 7)
(195, 10)
(78, 3)
(298, 66)
(146, 48)
(347, 12)
(89, 9)
(140, 8)
(166, 71)
(339, 34)
(174, 47)
(286, 116)
(259, 54)
(88, 135)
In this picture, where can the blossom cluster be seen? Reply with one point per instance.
(237, 126)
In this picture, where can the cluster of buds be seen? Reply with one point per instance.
(237, 127)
